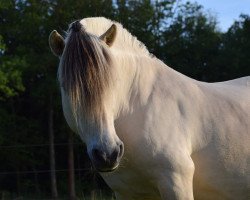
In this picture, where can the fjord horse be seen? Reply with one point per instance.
(151, 132)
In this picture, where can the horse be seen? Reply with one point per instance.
(150, 131)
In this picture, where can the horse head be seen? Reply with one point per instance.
(84, 75)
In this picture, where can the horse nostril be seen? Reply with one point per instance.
(99, 155)
(121, 150)
(117, 153)
(114, 156)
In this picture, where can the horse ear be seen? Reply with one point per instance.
(109, 36)
(56, 43)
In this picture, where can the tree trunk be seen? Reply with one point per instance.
(72, 194)
(36, 181)
(18, 183)
(52, 151)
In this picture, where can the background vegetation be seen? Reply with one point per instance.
(40, 158)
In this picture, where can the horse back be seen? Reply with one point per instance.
(242, 82)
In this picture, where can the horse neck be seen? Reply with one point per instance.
(139, 78)
(136, 77)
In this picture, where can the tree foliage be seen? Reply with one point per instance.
(235, 58)
(191, 41)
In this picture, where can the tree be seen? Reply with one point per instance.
(72, 194)
(235, 54)
(191, 42)
(144, 19)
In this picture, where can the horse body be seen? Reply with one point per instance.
(223, 165)
(200, 124)
(183, 138)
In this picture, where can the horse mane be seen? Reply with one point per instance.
(124, 40)
(85, 72)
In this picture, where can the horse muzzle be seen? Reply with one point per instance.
(107, 161)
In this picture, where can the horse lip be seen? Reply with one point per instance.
(106, 170)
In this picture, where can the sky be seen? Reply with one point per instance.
(226, 11)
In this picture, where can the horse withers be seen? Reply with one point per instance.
(151, 132)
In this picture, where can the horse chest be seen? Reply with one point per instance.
(132, 184)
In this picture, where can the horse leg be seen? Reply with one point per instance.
(177, 185)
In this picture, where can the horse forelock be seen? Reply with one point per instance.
(85, 74)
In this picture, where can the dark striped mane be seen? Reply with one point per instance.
(85, 72)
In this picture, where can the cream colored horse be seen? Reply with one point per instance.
(163, 135)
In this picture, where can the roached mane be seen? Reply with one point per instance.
(85, 72)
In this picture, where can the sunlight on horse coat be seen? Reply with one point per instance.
(182, 139)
